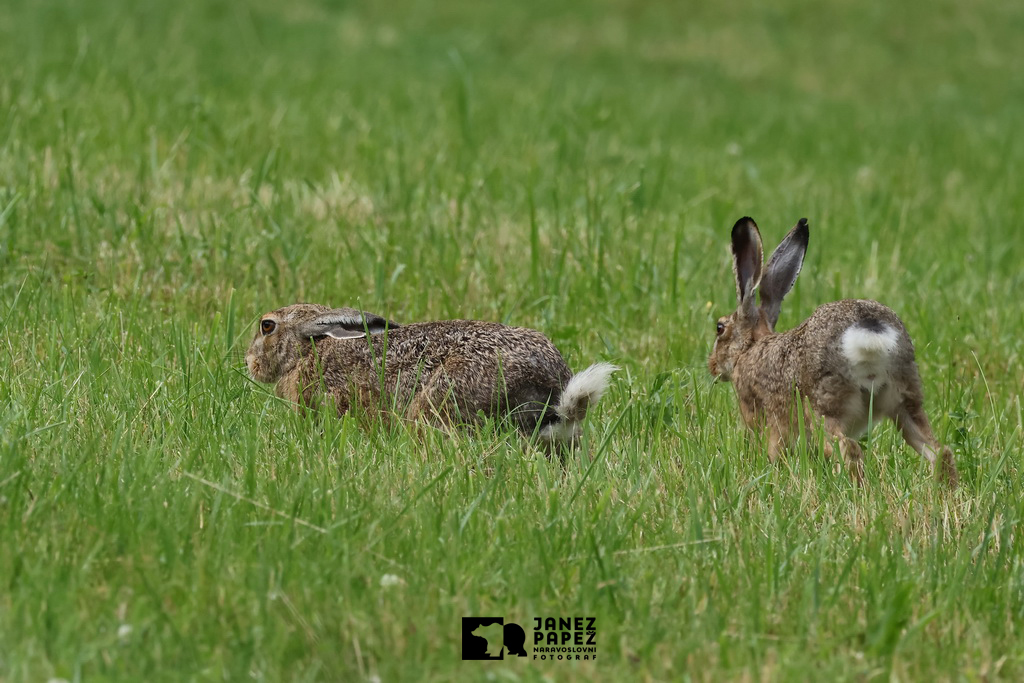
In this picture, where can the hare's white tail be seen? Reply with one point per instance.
(583, 390)
(869, 347)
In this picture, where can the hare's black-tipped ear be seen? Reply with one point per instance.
(746, 261)
(375, 324)
(346, 323)
(782, 270)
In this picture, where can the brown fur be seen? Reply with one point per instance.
(804, 374)
(443, 373)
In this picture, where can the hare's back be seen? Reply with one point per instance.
(478, 342)
(485, 366)
(854, 338)
(831, 321)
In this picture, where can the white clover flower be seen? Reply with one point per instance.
(391, 580)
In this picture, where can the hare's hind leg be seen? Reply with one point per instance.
(913, 422)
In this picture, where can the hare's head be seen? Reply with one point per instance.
(736, 333)
(285, 335)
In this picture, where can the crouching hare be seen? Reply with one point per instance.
(442, 373)
(851, 362)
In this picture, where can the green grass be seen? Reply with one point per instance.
(170, 170)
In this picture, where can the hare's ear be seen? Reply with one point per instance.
(345, 323)
(375, 324)
(782, 269)
(746, 262)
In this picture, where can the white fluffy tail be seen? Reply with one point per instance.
(869, 351)
(583, 390)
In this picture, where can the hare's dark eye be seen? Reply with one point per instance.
(720, 328)
(267, 326)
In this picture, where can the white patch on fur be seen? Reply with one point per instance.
(870, 354)
(345, 334)
(588, 385)
(561, 432)
(584, 390)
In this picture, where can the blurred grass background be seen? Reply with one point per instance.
(168, 171)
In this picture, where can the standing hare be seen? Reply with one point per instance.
(442, 373)
(851, 363)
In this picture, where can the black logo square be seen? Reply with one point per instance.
(475, 647)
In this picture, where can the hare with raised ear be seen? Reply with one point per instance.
(443, 373)
(851, 363)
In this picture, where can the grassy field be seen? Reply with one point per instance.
(170, 170)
